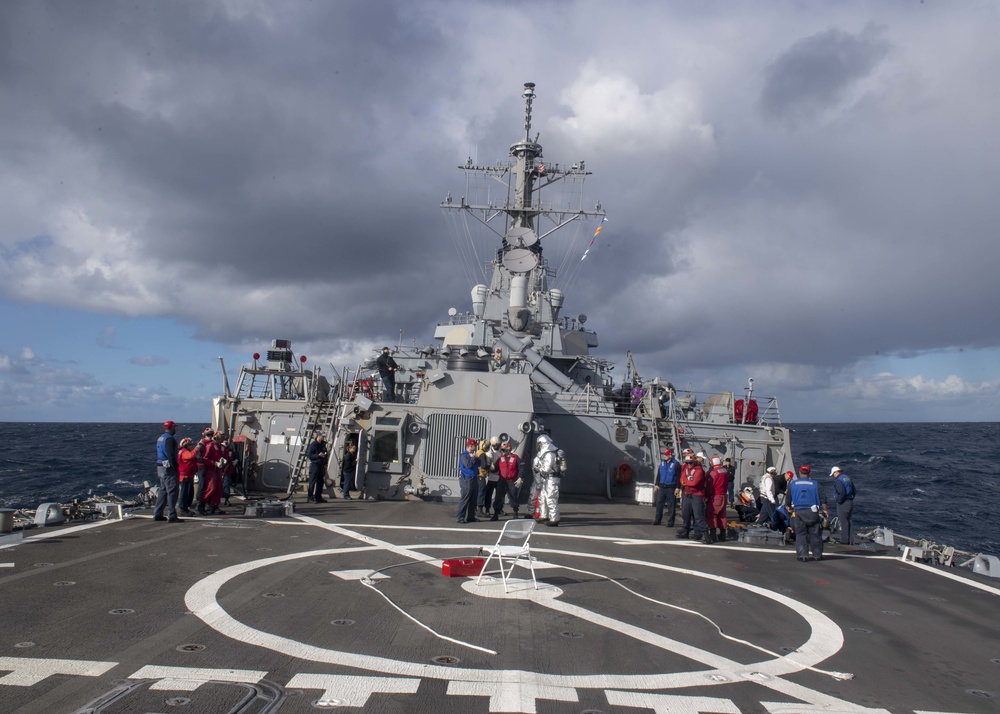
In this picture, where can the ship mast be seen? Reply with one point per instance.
(525, 151)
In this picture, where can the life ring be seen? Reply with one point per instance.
(623, 474)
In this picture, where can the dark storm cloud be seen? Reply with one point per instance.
(816, 72)
(274, 169)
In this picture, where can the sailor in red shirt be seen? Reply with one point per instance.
(215, 461)
(188, 461)
(509, 483)
(715, 505)
(693, 505)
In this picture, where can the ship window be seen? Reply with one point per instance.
(385, 446)
(388, 421)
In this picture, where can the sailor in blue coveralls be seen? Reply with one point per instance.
(166, 470)
(843, 486)
(665, 490)
(468, 479)
(806, 500)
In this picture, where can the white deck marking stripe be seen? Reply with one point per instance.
(187, 679)
(59, 532)
(6, 565)
(508, 695)
(352, 691)
(28, 671)
(958, 578)
(671, 703)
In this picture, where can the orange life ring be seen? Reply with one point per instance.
(623, 474)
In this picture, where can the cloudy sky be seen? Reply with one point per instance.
(802, 193)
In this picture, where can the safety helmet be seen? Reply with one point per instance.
(835, 470)
(168, 424)
(543, 440)
(699, 455)
(772, 470)
(804, 469)
(668, 452)
(470, 442)
(716, 461)
(185, 442)
(505, 446)
(789, 475)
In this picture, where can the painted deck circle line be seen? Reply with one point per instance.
(825, 640)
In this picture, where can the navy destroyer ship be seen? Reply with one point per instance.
(514, 366)
(380, 605)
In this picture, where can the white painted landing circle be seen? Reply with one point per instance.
(825, 640)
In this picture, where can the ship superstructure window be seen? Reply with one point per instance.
(385, 446)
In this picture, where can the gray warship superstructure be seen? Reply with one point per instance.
(512, 367)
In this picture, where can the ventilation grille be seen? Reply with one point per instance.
(446, 439)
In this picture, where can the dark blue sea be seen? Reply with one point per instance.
(935, 481)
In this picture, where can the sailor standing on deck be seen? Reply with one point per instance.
(768, 498)
(166, 471)
(387, 371)
(715, 500)
(509, 473)
(693, 503)
(806, 501)
(348, 468)
(546, 466)
(665, 490)
(468, 479)
(188, 462)
(844, 488)
(318, 456)
(199, 477)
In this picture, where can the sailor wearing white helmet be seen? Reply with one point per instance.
(844, 489)
(488, 487)
(768, 496)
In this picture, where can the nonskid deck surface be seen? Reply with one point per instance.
(344, 605)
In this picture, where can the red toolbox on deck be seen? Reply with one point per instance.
(462, 567)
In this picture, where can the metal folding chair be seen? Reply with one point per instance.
(518, 530)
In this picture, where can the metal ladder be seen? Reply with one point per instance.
(321, 418)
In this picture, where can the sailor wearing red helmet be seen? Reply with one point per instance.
(468, 473)
(806, 500)
(665, 490)
(166, 471)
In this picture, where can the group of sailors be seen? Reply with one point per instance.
(490, 473)
(788, 503)
(318, 455)
(192, 472)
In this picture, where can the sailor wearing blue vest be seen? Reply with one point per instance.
(806, 501)
(843, 487)
(166, 470)
(665, 490)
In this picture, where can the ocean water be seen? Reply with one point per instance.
(935, 481)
